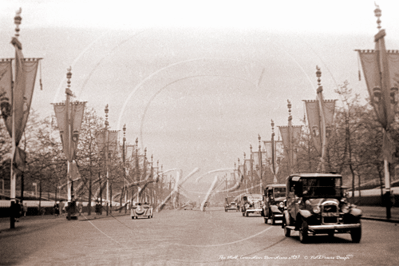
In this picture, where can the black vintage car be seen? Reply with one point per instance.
(316, 204)
(273, 208)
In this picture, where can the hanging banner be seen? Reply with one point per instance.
(5, 91)
(76, 112)
(314, 120)
(381, 65)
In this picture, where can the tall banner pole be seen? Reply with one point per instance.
(260, 165)
(322, 121)
(273, 155)
(68, 137)
(106, 154)
(380, 68)
(290, 150)
(124, 164)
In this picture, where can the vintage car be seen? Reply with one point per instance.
(231, 206)
(316, 204)
(273, 198)
(251, 203)
(142, 210)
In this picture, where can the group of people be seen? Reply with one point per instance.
(19, 210)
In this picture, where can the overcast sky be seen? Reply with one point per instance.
(196, 81)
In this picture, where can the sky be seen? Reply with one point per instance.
(195, 81)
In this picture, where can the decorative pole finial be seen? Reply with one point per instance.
(152, 159)
(145, 153)
(69, 76)
(272, 128)
(250, 147)
(124, 132)
(289, 110)
(106, 116)
(17, 21)
(377, 13)
(238, 161)
(318, 75)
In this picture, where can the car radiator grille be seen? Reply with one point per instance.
(330, 213)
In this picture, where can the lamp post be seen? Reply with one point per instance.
(380, 71)
(106, 110)
(260, 165)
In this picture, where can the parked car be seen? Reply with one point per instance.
(273, 208)
(315, 203)
(231, 206)
(141, 210)
(251, 203)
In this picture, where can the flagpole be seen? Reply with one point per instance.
(260, 166)
(124, 164)
(323, 121)
(106, 154)
(290, 151)
(68, 93)
(273, 155)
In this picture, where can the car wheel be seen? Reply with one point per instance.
(266, 220)
(273, 219)
(303, 232)
(132, 217)
(246, 213)
(243, 213)
(356, 234)
(225, 210)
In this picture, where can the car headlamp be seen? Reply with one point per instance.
(345, 208)
(281, 205)
(316, 209)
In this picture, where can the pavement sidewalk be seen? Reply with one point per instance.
(378, 213)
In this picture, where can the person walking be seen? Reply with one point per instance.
(56, 209)
(25, 209)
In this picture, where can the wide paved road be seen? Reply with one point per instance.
(187, 237)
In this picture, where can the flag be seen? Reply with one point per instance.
(381, 71)
(24, 84)
(381, 83)
(69, 122)
(6, 91)
(315, 122)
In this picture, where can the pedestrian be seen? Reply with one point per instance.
(61, 207)
(17, 210)
(56, 209)
(25, 209)
(80, 207)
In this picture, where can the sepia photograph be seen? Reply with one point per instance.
(199, 132)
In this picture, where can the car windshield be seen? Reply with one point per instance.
(322, 187)
(254, 197)
(279, 192)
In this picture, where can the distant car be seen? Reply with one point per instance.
(232, 206)
(141, 210)
(251, 203)
(274, 197)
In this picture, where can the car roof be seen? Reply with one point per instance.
(275, 185)
(314, 175)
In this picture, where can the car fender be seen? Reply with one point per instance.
(356, 212)
(287, 217)
(305, 213)
(275, 209)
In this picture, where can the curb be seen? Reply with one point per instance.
(380, 219)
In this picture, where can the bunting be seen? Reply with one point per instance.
(381, 71)
(315, 122)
